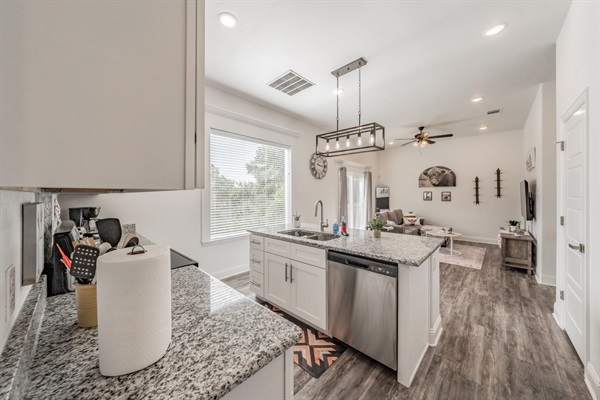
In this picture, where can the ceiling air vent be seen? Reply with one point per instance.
(290, 83)
(496, 111)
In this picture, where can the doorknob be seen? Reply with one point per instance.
(580, 247)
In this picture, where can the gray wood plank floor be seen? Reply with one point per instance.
(500, 341)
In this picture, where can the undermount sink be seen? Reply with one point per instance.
(323, 237)
(298, 233)
(310, 235)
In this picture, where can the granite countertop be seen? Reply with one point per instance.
(394, 247)
(220, 338)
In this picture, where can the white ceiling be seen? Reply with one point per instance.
(426, 59)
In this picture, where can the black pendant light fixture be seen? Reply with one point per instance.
(357, 139)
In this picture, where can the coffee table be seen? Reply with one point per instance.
(450, 235)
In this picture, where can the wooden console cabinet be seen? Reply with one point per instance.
(518, 251)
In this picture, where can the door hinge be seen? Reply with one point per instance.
(562, 145)
(195, 137)
(562, 220)
(562, 294)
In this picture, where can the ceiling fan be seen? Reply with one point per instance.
(423, 139)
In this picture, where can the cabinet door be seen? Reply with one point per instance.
(257, 283)
(101, 95)
(309, 293)
(277, 281)
(256, 261)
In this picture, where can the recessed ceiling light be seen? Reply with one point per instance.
(228, 20)
(494, 30)
(482, 128)
(476, 99)
(338, 91)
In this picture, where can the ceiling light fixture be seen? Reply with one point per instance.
(375, 131)
(482, 128)
(494, 30)
(228, 20)
(477, 99)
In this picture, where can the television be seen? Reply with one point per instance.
(527, 202)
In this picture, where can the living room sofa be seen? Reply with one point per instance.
(395, 219)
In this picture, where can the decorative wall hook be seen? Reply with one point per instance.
(498, 180)
(476, 190)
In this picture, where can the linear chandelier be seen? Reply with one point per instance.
(357, 139)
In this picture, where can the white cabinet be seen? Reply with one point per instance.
(308, 286)
(277, 280)
(102, 95)
(297, 287)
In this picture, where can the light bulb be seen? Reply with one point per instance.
(423, 143)
(372, 138)
(337, 143)
(327, 145)
(416, 144)
(359, 140)
(348, 141)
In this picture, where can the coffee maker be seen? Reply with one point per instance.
(85, 217)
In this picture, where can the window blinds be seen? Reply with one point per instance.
(249, 184)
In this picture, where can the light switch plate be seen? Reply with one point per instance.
(10, 280)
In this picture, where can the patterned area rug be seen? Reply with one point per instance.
(472, 257)
(315, 352)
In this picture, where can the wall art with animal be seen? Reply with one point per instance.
(437, 177)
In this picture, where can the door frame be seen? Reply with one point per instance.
(559, 305)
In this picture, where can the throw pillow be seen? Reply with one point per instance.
(390, 223)
(411, 220)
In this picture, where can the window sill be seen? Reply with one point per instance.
(232, 238)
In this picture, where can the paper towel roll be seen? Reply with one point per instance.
(134, 309)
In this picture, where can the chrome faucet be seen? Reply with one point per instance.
(323, 224)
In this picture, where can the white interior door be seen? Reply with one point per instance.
(574, 237)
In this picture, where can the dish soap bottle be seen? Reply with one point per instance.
(344, 233)
(336, 227)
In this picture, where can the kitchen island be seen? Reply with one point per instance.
(223, 346)
(293, 273)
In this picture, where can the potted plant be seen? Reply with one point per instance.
(512, 225)
(376, 224)
(296, 218)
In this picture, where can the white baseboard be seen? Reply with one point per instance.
(435, 332)
(556, 317)
(231, 271)
(476, 239)
(592, 381)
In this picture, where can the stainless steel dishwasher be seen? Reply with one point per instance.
(362, 305)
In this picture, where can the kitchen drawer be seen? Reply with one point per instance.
(256, 242)
(257, 283)
(308, 255)
(277, 247)
(256, 260)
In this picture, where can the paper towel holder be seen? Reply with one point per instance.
(133, 252)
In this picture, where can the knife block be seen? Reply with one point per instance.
(87, 305)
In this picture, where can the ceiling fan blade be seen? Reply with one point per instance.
(407, 143)
(440, 136)
(405, 139)
(429, 141)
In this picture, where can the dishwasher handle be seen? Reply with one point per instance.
(378, 266)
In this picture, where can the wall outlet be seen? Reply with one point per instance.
(10, 292)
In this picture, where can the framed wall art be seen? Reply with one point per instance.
(427, 196)
(446, 196)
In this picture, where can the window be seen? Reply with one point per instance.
(356, 200)
(249, 184)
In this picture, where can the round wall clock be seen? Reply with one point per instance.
(318, 166)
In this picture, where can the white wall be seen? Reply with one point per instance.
(178, 218)
(539, 131)
(399, 168)
(10, 254)
(577, 66)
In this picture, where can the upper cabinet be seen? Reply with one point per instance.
(102, 94)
